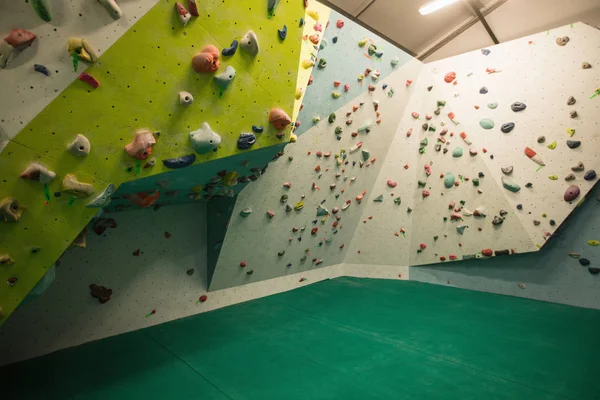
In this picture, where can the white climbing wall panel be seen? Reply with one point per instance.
(257, 240)
(32, 91)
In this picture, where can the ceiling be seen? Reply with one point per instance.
(456, 28)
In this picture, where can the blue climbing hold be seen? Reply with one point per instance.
(180, 162)
(379, 53)
(246, 140)
(41, 69)
(301, 21)
(282, 32)
(485, 52)
(384, 86)
(229, 51)
(335, 39)
(257, 129)
(483, 90)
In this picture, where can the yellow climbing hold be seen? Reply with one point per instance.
(361, 77)
(293, 138)
(581, 201)
(571, 131)
(593, 242)
(299, 206)
(363, 42)
(335, 95)
(553, 177)
(552, 145)
(306, 64)
(230, 179)
(299, 92)
(313, 14)
(197, 188)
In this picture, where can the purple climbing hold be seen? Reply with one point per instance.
(572, 193)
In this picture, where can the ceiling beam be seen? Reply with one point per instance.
(476, 9)
(451, 35)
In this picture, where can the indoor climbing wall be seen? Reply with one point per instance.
(303, 212)
(155, 263)
(139, 92)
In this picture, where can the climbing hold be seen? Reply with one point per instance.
(594, 271)
(81, 48)
(449, 180)
(461, 229)
(573, 144)
(5, 259)
(553, 177)
(150, 163)
(486, 123)
(112, 7)
(37, 67)
(573, 114)
(11, 210)
(529, 152)
(102, 199)
(246, 212)
(334, 39)
(391, 183)
(179, 162)
(257, 129)
(483, 90)
(283, 198)
(510, 186)
(230, 51)
(425, 193)
(571, 131)
(41, 9)
(593, 242)
(457, 152)
(518, 106)
(282, 32)
(38, 172)
(394, 61)
(16, 41)
(322, 211)
(561, 41)
(507, 170)
(497, 221)
(590, 175)
(100, 292)
(335, 94)
(579, 167)
(425, 126)
(492, 106)
(541, 139)
(552, 145)
(365, 154)
(184, 15)
(586, 65)
(89, 79)
(193, 8)
(230, 179)
(314, 38)
(584, 261)
(71, 185)
(249, 43)
(450, 76)
(80, 146)
(141, 145)
(571, 101)
(102, 224)
(202, 298)
(323, 44)
(507, 127)
(185, 98)
(485, 52)
(570, 177)
(270, 214)
(207, 60)
(322, 63)
(224, 78)
(279, 118)
(299, 206)
(246, 140)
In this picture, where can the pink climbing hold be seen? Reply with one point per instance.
(346, 87)
(90, 80)
(452, 257)
(408, 82)
(335, 210)
(415, 115)
(287, 185)
(456, 216)
(427, 169)
(270, 214)
(339, 24)
(391, 183)
(426, 193)
(243, 264)
(450, 76)
(423, 246)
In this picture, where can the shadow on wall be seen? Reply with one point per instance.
(548, 275)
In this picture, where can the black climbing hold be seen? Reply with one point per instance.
(250, 272)
(584, 261)
(190, 271)
(335, 39)
(529, 185)
(180, 162)
(507, 127)
(590, 175)
(518, 106)
(573, 144)
(429, 88)
(593, 271)
(519, 206)
(282, 32)
(502, 252)
(257, 129)
(552, 222)
(481, 175)
(41, 69)
(246, 140)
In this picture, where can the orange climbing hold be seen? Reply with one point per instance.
(450, 76)
(143, 199)
(279, 118)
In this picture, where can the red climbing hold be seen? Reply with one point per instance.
(167, 235)
(423, 246)
(136, 253)
(203, 298)
(339, 24)
(487, 252)
(90, 80)
(243, 264)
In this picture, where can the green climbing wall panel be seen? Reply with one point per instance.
(140, 78)
(340, 339)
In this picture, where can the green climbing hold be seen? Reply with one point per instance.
(510, 186)
(486, 123)
(457, 152)
(492, 106)
(449, 179)
(475, 182)
(432, 128)
(322, 63)
(398, 201)
(421, 150)
(424, 142)
(42, 10)
(366, 154)
(435, 238)
(409, 210)
(461, 229)
(441, 103)
(338, 130)
(372, 49)
(331, 118)
(378, 199)
(462, 202)
(422, 183)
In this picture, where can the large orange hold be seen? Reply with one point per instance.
(207, 60)
(450, 76)
(279, 118)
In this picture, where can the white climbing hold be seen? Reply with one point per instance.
(246, 211)
(204, 139)
(184, 15)
(185, 98)
(71, 185)
(38, 172)
(80, 146)
(103, 199)
(112, 7)
(249, 43)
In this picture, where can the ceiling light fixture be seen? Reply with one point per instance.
(434, 6)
